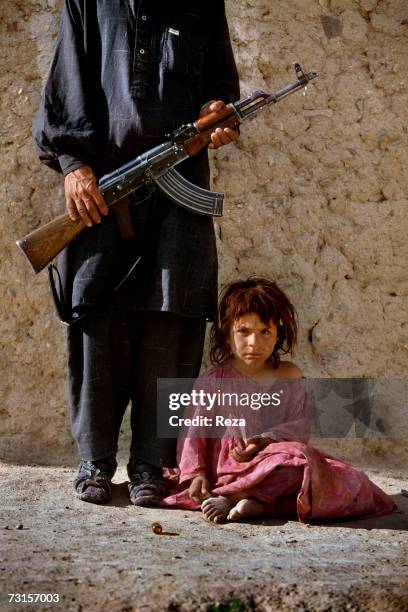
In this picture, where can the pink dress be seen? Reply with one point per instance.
(295, 478)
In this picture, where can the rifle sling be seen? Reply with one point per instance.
(69, 316)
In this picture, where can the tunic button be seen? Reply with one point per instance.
(144, 17)
(141, 51)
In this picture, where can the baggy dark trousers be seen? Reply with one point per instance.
(116, 356)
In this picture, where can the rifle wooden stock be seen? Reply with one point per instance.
(44, 243)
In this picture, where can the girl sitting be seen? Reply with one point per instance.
(275, 472)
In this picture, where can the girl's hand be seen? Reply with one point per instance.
(254, 445)
(199, 489)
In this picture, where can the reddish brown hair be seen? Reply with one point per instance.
(260, 296)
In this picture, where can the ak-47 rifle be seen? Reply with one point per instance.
(157, 166)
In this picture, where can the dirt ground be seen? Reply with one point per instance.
(99, 558)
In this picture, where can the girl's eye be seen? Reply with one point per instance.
(266, 332)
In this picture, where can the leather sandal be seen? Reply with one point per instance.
(93, 481)
(147, 488)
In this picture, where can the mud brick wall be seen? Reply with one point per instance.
(316, 199)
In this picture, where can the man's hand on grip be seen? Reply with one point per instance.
(83, 198)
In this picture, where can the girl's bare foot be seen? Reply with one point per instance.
(216, 509)
(247, 508)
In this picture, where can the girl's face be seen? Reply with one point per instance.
(251, 341)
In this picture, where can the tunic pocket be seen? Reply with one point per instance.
(183, 53)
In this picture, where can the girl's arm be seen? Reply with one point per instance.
(192, 453)
(254, 445)
(192, 458)
(193, 466)
(295, 427)
(296, 406)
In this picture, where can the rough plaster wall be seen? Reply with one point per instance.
(316, 195)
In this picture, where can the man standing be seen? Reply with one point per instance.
(124, 74)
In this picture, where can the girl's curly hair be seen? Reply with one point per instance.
(260, 296)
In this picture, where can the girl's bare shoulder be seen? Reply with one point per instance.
(287, 369)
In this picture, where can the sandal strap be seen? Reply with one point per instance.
(156, 488)
(142, 490)
(90, 475)
(100, 482)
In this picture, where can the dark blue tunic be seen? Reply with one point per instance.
(124, 74)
